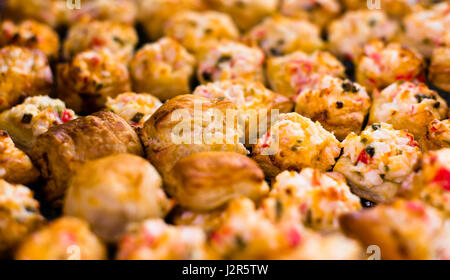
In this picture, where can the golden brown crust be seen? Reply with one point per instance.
(437, 136)
(439, 71)
(66, 238)
(154, 14)
(118, 38)
(378, 160)
(31, 118)
(160, 131)
(15, 165)
(407, 105)
(245, 13)
(339, 105)
(153, 239)
(253, 102)
(280, 35)
(19, 215)
(403, 230)
(164, 68)
(25, 72)
(30, 34)
(113, 191)
(196, 31)
(431, 183)
(208, 180)
(294, 142)
(86, 82)
(63, 148)
(382, 64)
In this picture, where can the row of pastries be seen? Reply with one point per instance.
(90, 100)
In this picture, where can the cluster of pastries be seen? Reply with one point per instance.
(224, 129)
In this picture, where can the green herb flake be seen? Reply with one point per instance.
(137, 117)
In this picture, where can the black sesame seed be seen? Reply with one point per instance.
(207, 76)
(370, 151)
(339, 104)
(366, 203)
(376, 126)
(295, 148)
(27, 118)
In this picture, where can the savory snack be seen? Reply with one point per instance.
(15, 165)
(66, 238)
(30, 34)
(254, 104)
(332, 245)
(64, 148)
(230, 60)
(348, 34)
(409, 106)
(189, 124)
(123, 11)
(279, 35)
(135, 108)
(319, 197)
(155, 240)
(51, 12)
(320, 12)
(246, 13)
(404, 230)
(24, 73)
(154, 14)
(426, 29)
(432, 182)
(26, 121)
(439, 70)
(339, 105)
(208, 221)
(294, 142)
(378, 160)
(19, 215)
(437, 136)
(119, 38)
(205, 181)
(113, 191)
(394, 8)
(383, 64)
(163, 68)
(245, 233)
(86, 82)
(197, 31)
(290, 74)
